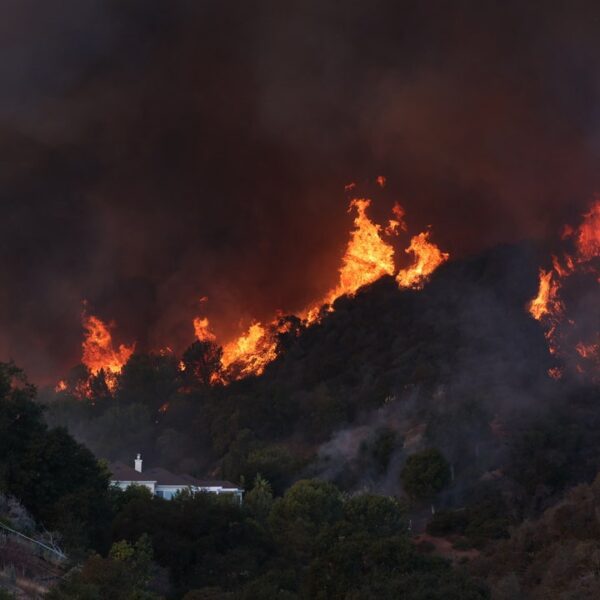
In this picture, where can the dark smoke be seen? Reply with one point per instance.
(152, 153)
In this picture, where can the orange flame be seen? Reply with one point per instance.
(367, 258)
(427, 258)
(61, 386)
(548, 306)
(398, 224)
(588, 235)
(587, 350)
(546, 301)
(251, 352)
(98, 351)
(202, 330)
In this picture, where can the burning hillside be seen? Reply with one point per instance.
(368, 257)
(567, 301)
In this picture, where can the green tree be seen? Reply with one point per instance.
(126, 574)
(303, 513)
(425, 474)
(57, 479)
(149, 380)
(259, 500)
(378, 515)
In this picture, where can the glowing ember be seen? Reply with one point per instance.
(61, 386)
(381, 181)
(563, 270)
(427, 258)
(98, 351)
(555, 372)
(588, 235)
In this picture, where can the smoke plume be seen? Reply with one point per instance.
(155, 153)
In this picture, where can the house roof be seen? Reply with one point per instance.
(122, 472)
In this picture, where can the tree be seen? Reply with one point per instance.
(126, 574)
(148, 379)
(21, 425)
(259, 500)
(304, 513)
(378, 515)
(425, 474)
(202, 361)
(57, 479)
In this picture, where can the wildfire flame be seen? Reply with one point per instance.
(546, 302)
(202, 330)
(367, 258)
(549, 308)
(427, 258)
(98, 351)
(251, 352)
(397, 224)
(588, 235)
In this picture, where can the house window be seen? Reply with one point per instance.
(160, 493)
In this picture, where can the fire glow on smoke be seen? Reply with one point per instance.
(367, 257)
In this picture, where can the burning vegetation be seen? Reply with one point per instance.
(572, 279)
(368, 256)
(427, 258)
(99, 353)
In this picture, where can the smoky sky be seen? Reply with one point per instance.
(152, 153)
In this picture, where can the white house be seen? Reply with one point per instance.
(165, 484)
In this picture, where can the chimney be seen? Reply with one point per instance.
(138, 463)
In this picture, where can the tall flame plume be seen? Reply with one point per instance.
(367, 258)
(98, 350)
